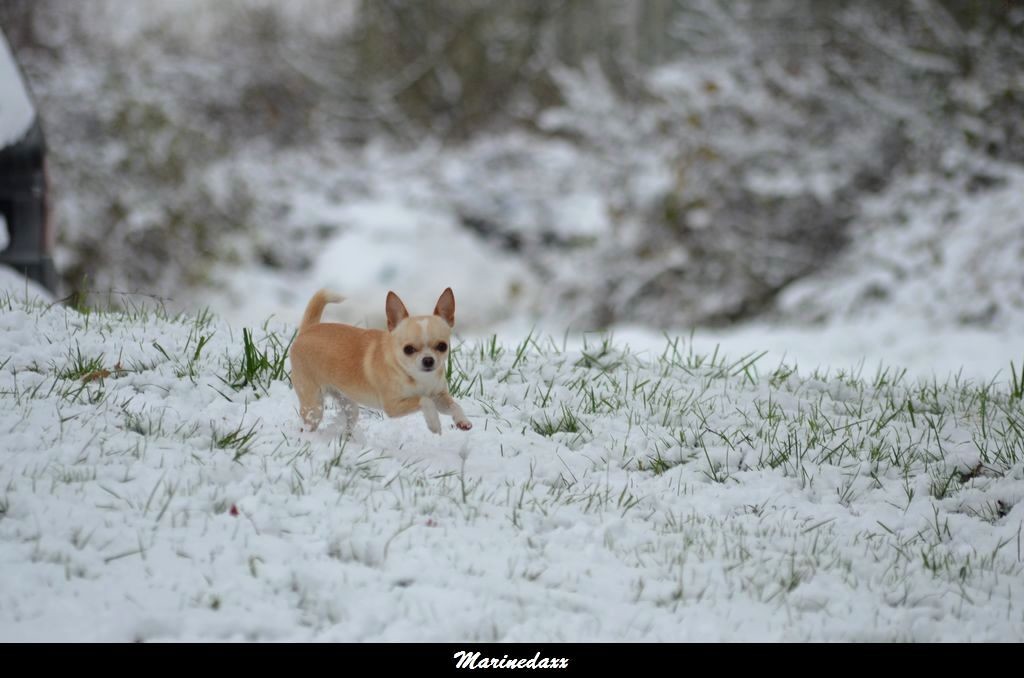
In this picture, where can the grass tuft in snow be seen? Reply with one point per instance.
(257, 367)
(239, 440)
(79, 366)
(1017, 382)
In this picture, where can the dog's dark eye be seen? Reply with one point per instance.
(442, 347)
(409, 350)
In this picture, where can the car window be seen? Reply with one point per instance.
(16, 110)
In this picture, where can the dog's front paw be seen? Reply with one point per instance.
(463, 425)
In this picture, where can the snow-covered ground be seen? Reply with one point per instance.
(922, 350)
(601, 495)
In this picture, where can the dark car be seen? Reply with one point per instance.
(27, 236)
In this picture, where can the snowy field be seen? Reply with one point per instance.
(844, 464)
(155, 486)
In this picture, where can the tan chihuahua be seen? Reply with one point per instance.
(400, 371)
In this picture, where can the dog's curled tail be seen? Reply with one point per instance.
(315, 307)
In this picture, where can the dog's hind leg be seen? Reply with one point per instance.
(311, 400)
(351, 410)
(349, 406)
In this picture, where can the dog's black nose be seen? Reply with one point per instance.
(428, 362)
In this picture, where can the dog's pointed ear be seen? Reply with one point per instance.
(395, 310)
(446, 307)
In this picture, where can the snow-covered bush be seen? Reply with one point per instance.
(661, 162)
